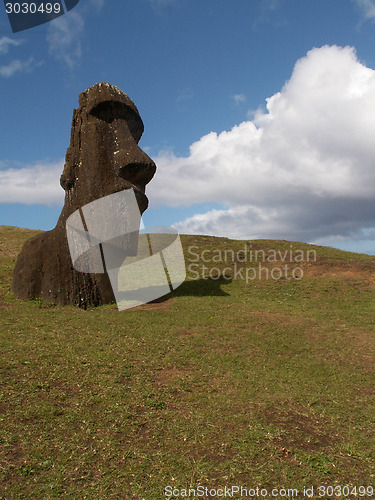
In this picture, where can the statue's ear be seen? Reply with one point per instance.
(68, 177)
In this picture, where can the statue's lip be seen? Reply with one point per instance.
(130, 185)
(140, 195)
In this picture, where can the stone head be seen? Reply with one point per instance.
(104, 157)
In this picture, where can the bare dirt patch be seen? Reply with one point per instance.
(299, 430)
(156, 305)
(169, 375)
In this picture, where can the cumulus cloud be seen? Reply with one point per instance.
(303, 169)
(35, 184)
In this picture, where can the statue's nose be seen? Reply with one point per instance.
(136, 166)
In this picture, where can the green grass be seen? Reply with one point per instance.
(268, 383)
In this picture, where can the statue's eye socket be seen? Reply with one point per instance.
(109, 111)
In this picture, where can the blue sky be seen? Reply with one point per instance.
(260, 114)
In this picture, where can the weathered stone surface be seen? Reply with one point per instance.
(103, 158)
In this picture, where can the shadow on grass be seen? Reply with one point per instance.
(199, 288)
(209, 287)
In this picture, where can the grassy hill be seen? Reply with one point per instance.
(263, 383)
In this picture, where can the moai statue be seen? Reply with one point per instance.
(103, 159)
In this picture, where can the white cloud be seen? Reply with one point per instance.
(239, 98)
(65, 33)
(33, 184)
(271, 4)
(6, 42)
(185, 95)
(64, 38)
(162, 3)
(368, 7)
(98, 4)
(17, 66)
(302, 169)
